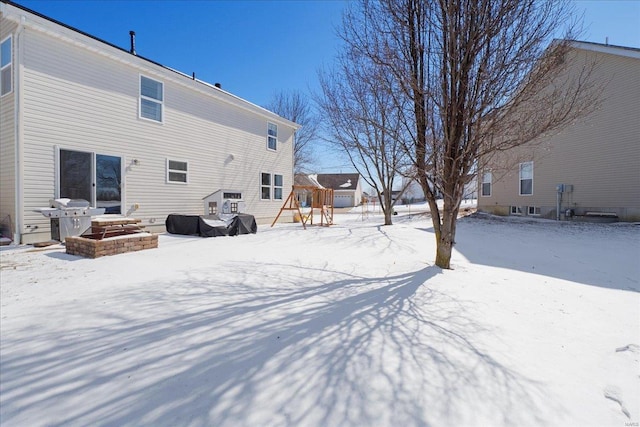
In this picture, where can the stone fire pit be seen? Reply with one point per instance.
(111, 237)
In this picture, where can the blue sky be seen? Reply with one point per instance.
(258, 48)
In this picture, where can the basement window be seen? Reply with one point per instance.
(6, 76)
(516, 210)
(151, 99)
(533, 211)
(177, 171)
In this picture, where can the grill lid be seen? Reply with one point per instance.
(69, 203)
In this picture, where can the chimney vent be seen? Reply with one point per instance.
(218, 85)
(132, 34)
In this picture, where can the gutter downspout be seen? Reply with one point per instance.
(17, 99)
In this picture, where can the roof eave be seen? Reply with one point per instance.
(75, 36)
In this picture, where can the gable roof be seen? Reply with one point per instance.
(15, 12)
(339, 181)
(306, 180)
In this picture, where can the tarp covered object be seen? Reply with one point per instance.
(195, 225)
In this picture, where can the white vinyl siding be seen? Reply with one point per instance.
(151, 99)
(6, 72)
(78, 98)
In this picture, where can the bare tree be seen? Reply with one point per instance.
(481, 77)
(362, 121)
(295, 107)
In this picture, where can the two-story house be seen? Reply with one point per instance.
(81, 118)
(588, 170)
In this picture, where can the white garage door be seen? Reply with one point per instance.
(342, 200)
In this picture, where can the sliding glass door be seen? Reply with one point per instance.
(109, 183)
(75, 175)
(96, 178)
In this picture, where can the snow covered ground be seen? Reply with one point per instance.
(352, 325)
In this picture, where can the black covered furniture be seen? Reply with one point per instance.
(195, 225)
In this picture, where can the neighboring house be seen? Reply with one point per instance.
(82, 118)
(591, 168)
(347, 191)
(413, 191)
(304, 192)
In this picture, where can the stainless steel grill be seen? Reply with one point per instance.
(69, 217)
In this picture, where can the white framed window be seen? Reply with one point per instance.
(533, 210)
(277, 186)
(271, 186)
(151, 99)
(177, 171)
(229, 195)
(526, 179)
(272, 136)
(516, 210)
(6, 72)
(486, 184)
(265, 186)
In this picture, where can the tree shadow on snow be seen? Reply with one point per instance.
(604, 255)
(214, 351)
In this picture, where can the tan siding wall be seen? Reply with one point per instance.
(8, 139)
(600, 156)
(79, 100)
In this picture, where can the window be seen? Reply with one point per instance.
(213, 208)
(516, 210)
(151, 99)
(226, 195)
(271, 184)
(265, 186)
(533, 210)
(526, 179)
(272, 136)
(486, 184)
(94, 177)
(277, 187)
(6, 83)
(177, 171)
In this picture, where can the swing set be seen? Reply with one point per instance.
(321, 204)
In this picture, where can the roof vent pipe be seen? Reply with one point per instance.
(133, 42)
(218, 85)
